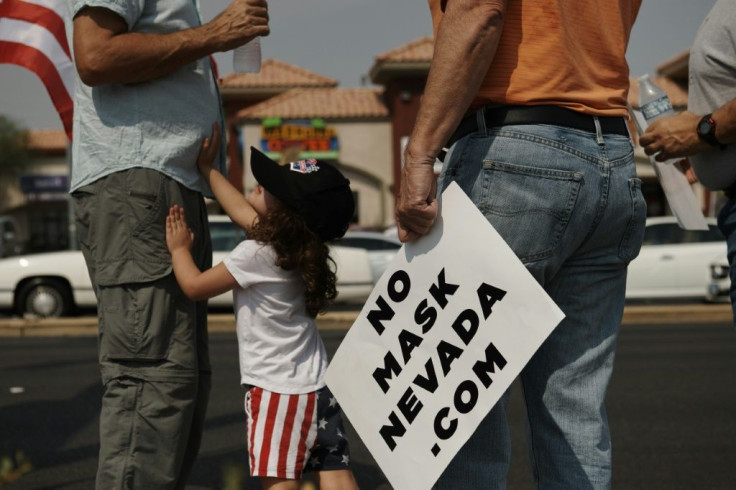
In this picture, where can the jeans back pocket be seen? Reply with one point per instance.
(530, 207)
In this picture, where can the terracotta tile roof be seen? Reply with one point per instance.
(47, 140)
(335, 103)
(410, 60)
(419, 50)
(675, 91)
(275, 73)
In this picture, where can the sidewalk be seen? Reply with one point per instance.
(342, 320)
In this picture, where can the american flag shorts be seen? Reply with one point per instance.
(290, 434)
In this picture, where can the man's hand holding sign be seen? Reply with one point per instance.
(445, 332)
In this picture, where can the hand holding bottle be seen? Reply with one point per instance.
(667, 135)
(240, 23)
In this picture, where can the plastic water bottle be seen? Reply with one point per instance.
(654, 104)
(653, 101)
(247, 58)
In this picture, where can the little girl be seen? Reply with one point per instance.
(281, 279)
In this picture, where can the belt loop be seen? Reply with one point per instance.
(598, 131)
(480, 117)
(628, 129)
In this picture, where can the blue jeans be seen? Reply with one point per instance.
(570, 206)
(727, 225)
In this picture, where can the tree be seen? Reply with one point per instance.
(14, 155)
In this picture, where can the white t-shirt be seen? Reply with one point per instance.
(279, 346)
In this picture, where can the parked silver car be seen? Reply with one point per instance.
(381, 248)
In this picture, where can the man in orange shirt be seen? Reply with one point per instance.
(526, 104)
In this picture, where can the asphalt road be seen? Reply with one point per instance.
(672, 409)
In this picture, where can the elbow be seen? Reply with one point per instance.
(483, 21)
(198, 297)
(89, 78)
(91, 68)
(94, 45)
(93, 59)
(492, 15)
(486, 31)
(192, 293)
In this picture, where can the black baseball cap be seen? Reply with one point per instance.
(313, 188)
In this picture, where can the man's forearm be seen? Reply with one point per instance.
(106, 52)
(136, 57)
(464, 48)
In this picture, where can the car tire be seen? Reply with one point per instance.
(45, 298)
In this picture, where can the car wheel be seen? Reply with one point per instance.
(46, 298)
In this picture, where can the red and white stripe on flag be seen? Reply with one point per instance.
(33, 35)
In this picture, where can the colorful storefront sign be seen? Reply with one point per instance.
(312, 137)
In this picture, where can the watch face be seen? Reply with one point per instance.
(703, 127)
(706, 130)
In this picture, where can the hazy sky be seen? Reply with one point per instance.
(340, 38)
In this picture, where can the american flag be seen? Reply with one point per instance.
(305, 166)
(33, 35)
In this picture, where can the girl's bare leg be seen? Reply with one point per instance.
(271, 483)
(337, 480)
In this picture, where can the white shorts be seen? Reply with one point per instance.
(289, 434)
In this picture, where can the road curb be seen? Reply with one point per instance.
(677, 313)
(342, 320)
(87, 326)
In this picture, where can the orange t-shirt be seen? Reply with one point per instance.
(568, 53)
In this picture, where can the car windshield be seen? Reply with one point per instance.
(225, 236)
(367, 243)
(671, 233)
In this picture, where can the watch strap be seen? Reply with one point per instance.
(709, 136)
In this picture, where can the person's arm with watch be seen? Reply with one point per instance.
(690, 134)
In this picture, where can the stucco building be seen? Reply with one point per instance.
(38, 197)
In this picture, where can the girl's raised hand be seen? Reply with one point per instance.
(178, 234)
(210, 149)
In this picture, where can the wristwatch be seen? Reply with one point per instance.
(706, 130)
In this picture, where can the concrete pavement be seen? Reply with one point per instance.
(342, 320)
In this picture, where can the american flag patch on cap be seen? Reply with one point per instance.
(304, 166)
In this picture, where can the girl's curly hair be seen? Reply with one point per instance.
(298, 247)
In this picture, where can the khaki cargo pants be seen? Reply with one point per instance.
(153, 348)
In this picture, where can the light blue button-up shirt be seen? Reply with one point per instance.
(159, 124)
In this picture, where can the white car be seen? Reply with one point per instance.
(10, 243)
(381, 248)
(719, 287)
(56, 283)
(674, 263)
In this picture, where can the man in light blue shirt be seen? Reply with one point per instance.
(145, 99)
